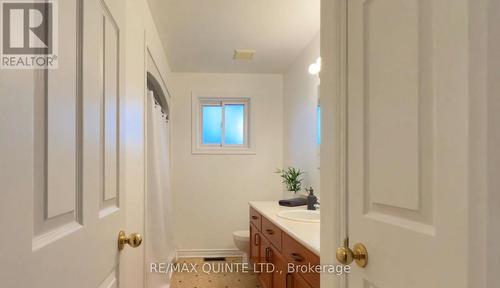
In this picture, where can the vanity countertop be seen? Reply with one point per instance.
(306, 233)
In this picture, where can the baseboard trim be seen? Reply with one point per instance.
(200, 253)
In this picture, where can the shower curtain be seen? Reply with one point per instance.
(159, 227)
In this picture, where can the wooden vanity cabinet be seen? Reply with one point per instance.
(268, 244)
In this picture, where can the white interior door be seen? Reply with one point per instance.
(61, 201)
(407, 142)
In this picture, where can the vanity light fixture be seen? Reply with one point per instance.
(315, 67)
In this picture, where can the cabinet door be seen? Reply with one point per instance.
(279, 276)
(297, 254)
(265, 276)
(254, 245)
(296, 281)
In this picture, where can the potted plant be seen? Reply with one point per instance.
(291, 178)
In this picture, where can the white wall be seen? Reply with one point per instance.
(211, 192)
(301, 99)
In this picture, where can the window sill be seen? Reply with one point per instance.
(223, 151)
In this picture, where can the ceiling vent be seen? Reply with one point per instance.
(243, 54)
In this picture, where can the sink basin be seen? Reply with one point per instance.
(301, 215)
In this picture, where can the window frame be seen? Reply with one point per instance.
(201, 99)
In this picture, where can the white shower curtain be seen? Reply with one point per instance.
(159, 227)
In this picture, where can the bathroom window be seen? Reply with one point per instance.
(211, 120)
(222, 125)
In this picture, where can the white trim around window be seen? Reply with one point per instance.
(200, 99)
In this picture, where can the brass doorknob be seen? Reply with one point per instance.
(359, 254)
(133, 240)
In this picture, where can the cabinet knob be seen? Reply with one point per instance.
(269, 254)
(297, 257)
(256, 239)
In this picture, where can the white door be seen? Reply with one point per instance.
(407, 101)
(62, 202)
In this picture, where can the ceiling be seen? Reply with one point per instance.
(201, 35)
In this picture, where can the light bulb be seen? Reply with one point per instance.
(315, 67)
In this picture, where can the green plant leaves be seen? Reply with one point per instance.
(291, 178)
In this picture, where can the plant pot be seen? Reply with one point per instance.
(289, 195)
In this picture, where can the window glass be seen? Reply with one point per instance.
(234, 124)
(211, 125)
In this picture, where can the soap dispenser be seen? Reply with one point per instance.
(311, 199)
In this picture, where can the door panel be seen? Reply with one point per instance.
(399, 106)
(395, 111)
(62, 99)
(57, 136)
(391, 83)
(60, 136)
(111, 281)
(109, 35)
